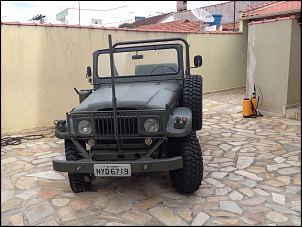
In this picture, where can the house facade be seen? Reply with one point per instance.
(274, 54)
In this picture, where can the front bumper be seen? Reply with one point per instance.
(139, 166)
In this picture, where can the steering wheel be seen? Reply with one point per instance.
(162, 66)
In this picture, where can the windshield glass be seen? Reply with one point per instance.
(156, 61)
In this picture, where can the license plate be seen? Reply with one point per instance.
(116, 170)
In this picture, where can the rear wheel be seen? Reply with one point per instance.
(187, 179)
(192, 98)
(76, 180)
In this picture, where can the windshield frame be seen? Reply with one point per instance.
(107, 80)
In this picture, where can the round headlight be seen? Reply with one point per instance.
(85, 127)
(151, 125)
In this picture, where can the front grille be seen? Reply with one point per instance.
(127, 124)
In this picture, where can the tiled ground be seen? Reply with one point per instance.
(252, 176)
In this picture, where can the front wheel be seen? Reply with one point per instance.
(76, 180)
(187, 179)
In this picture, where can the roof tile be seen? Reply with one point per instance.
(179, 25)
(272, 20)
(151, 20)
(272, 7)
(183, 25)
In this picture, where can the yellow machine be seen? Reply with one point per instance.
(250, 106)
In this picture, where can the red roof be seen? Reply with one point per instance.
(230, 27)
(151, 20)
(179, 25)
(183, 26)
(273, 8)
(272, 20)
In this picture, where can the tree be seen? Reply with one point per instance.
(126, 25)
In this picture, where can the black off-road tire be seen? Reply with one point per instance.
(76, 180)
(192, 98)
(187, 179)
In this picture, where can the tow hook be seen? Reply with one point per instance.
(89, 178)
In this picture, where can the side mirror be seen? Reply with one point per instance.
(197, 61)
(89, 74)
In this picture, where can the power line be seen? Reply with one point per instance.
(39, 18)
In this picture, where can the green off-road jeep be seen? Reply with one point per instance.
(141, 116)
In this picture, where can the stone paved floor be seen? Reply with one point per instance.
(252, 176)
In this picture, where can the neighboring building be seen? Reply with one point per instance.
(109, 18)
(272, 10)
(181, 6)
(151, 20)
(106, 18)
(228, 20)
(225, 9)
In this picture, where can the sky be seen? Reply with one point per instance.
(23, 11)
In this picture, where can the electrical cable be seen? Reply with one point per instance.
(259, 96)
(18, 140)
(258, 112)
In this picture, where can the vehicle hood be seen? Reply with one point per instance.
(138, 95)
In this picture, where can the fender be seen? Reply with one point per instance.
(181, 129)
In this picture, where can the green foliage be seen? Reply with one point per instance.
(126, 25)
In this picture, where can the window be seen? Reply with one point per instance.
(96, 22)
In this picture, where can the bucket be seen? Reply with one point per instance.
(217, 19)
